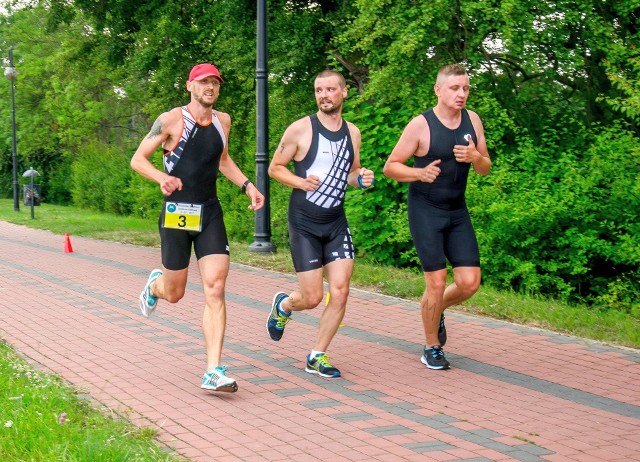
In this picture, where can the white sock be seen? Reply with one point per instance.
(281, 308)
(315, 353)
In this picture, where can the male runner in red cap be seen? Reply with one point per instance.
(194, 142)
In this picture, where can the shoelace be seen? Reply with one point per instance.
(282, 321)
(222, 370)
(437, 353)
(323, 360)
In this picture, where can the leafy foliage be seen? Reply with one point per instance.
(100, 174)
(562, 230)
(555, 83)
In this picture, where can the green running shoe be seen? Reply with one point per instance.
(277, 318)
(320, 365)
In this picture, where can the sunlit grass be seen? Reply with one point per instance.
(44, 419)
(608, 326)
(80, 222)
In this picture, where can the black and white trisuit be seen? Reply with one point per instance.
(318, 228)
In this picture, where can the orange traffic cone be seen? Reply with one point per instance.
(67, 244)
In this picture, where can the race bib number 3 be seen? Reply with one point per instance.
(178, 215)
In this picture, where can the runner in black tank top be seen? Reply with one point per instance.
(199, 160)
(197, 167)
(438, 216)
(444, 142)
(194, 141)
(448, 191)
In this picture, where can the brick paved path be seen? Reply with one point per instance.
(513, 393)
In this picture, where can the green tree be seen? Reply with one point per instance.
(554, 82)
(545, 78)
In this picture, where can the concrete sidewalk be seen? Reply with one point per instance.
(513, 393)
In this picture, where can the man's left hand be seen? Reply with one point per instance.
(367, 177)
(257, 199)
(466, 154)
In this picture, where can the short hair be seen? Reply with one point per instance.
(449, 70)
(331, 73)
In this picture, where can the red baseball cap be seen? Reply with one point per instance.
(204, 70)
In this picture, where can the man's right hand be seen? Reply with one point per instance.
(309, 183)
(170, 184)
(429, 173)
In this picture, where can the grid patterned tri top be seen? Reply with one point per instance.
(330, 157)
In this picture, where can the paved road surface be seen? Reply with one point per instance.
(513, 393)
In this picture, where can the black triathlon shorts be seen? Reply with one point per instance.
(315, 245)
(176, 244)
(440, 235)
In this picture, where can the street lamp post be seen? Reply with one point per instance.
(11, 73)
(262, 232)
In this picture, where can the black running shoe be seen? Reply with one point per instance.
(442, 331)
(276, 320)
(320, 365)
(434, 358)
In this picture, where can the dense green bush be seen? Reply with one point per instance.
(557, 93)
(100, 178)
(56, 187)
(568, 227)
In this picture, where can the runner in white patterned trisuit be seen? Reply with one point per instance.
(194, 141)
(325, 150)
(318, 230)
(329, 158)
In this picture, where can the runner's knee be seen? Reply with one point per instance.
(435, 286)
(468, 284)
(308, 299)
(339, 295)
(214, 289)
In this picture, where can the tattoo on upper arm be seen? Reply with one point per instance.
(156, 129)
(281, 147)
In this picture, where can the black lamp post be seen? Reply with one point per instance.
(262, 232)
(11, 73)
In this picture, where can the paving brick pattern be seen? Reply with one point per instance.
(513, 393)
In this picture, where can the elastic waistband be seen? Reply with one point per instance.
(206, 203)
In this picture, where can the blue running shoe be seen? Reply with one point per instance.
(320, 365)
(148, 302)
(217, 380)
(434, 358)
(442, 331)
(277, 319)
